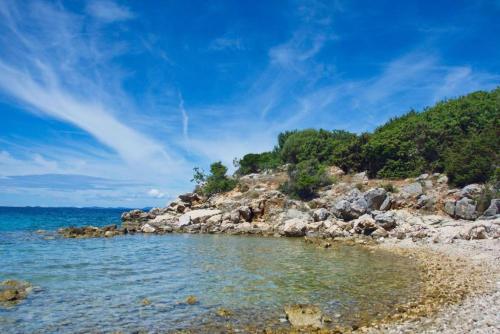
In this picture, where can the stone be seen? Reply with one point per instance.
(224, 313)
(449, 207)
(191, 300)
(492, 210)
(471, 190)
(364, 225)
(386, 220)
(294, 227)
(375, 197)
(465, 208)
(189, 197)
(12, 291)
(304, 316)
(148, 229)
(426, 202)
(379, 233)
(412, 190)
(320, 215)
(353, 209)
(245, 213)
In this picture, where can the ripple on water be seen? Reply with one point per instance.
(99, 284)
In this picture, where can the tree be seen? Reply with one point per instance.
(214, 183)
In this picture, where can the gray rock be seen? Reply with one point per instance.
(493, 209)
(465, 208)
(375, 197)
(348, 211)
(386, 220)
(449, 207)
(412, 190)
(426, 202)
(294, 227)
(321, 214)
(471, 190)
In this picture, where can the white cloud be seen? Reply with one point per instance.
(108, 11)
(156, 193)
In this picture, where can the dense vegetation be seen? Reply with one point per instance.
(459, 137)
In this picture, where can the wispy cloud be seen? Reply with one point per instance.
(227, 42)
(50, 67)
(109, 11)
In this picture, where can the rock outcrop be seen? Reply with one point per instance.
(12, 291)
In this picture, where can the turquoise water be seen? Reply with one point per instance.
(97, 285)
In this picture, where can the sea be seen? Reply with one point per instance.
(140, 283)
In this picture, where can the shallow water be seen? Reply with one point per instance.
(97, 285)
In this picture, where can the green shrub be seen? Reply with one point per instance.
(305, 178)
(258, 162)
(214, 183)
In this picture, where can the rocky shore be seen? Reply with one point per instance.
(453, 233)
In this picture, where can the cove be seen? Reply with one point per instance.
(99, 285)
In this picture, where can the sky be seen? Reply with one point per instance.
(112, 103)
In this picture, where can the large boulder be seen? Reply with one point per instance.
(294, 227)
(386, 220)
(412, 190)
(197, 216)
(304, 316)
(375, 197)
(351, 209)
(465, 208)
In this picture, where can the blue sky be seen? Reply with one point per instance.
(112, 103)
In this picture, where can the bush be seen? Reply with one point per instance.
(305, 178)
(258, 162)
(214, 183)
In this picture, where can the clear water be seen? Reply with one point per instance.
(97, 285)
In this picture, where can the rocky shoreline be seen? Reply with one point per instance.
(445, 230)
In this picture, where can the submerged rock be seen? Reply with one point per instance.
(304, 316)
(191, 300)
(12, 291)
